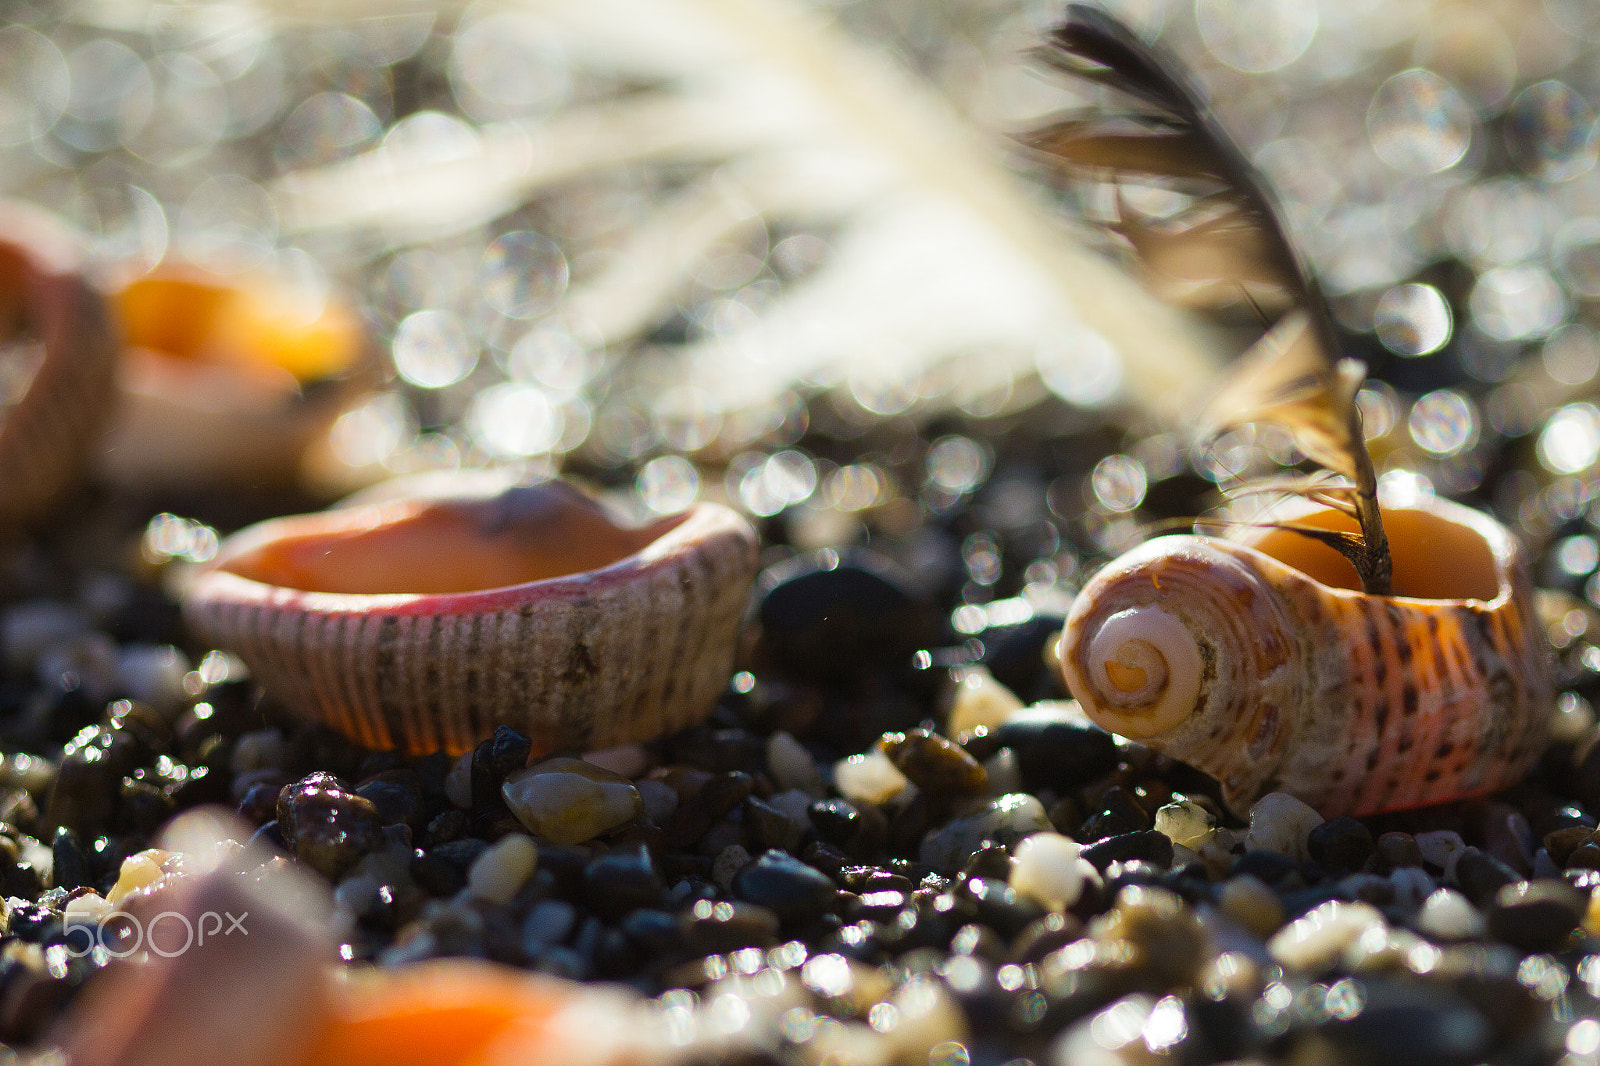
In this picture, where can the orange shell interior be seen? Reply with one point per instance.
(252, 324)
(1434, 557)
(445, 546)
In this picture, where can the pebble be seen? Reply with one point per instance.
(1440, 848)
(569, 801)
(1315, 941)
(934, 764)
(658, 798)
(1280, 822)
(327, 826)
(869, 777)
(831, 615)
(1187, 823)
(28, 628)
(137, 872)
(1341, 844)
(729, 861)
(714, 927)
(500, 872)
(1146, 845)
(1448, 915)
(1536, 915)
(1055, 750)
(1050, 869)
(622, 880)
(791, 766)
(1399, 849)
(858, 831)
(458, 782)
(789, 888)
(152, 673)
(769, 827)
(979, 701)
(1252, 904)
(549, 922)
(1412, 886)
(1005, 819)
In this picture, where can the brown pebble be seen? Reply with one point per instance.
(1399, 849)
(934, 764)
(1562, 842)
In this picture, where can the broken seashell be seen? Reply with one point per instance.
(1256, 659)
(227, 377)
(424, 623)
(57, 354)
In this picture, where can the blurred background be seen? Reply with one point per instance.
(788, 255)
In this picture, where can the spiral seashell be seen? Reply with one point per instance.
(227, 377)
(57, 357)
(424, 623)
(1257, 660)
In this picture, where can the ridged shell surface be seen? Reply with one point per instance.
(1355, 703)
(47, 432)
(621, 653)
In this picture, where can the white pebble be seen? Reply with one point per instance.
(1412, 885)
(1448, 915)
(1315, 941)
(1441, 847)
(980, 700)
(458, 782)
(1048, 868)
(869, 778)
(659, 799)
(152, 673)
(629, 760)
(729, 861)
(1187, 823)
(1281, 823)
(501, 871)
(85, 909)
(791, 765)
(568, 801)
(925, 1016)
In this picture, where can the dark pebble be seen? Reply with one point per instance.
(1149, 845)
(827, 616)
(1535, 915)
(934, 764)
(1399, 849)
(859, 831)
(792, 890)
(1014, 654)
(452, 824)
(143, 806)
(656, 932)
(1062, 756)
(622, 880)
(548, 923)
(1419, 1024)
(436, 875)
(327, 826)
(70, 866)
(397, 795)
(260, 803)
(1270, 868)
(768, 827)
(1480, 876)
(494, 760)
(718, 751)
(1044, 935)
(1585, 856)
(1342, 843)
(997, 905)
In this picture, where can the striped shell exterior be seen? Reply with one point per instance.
(47, 431)
(634, 641)
(1257, 660)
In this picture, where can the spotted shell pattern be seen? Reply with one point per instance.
(1248, 668)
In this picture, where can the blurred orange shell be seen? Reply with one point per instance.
(424, 623)
(57, 356)
(227, 377)
(1257, 659)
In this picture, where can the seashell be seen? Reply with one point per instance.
(424, 623)
(227, 377)
(1256, 659)
(57, 355)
